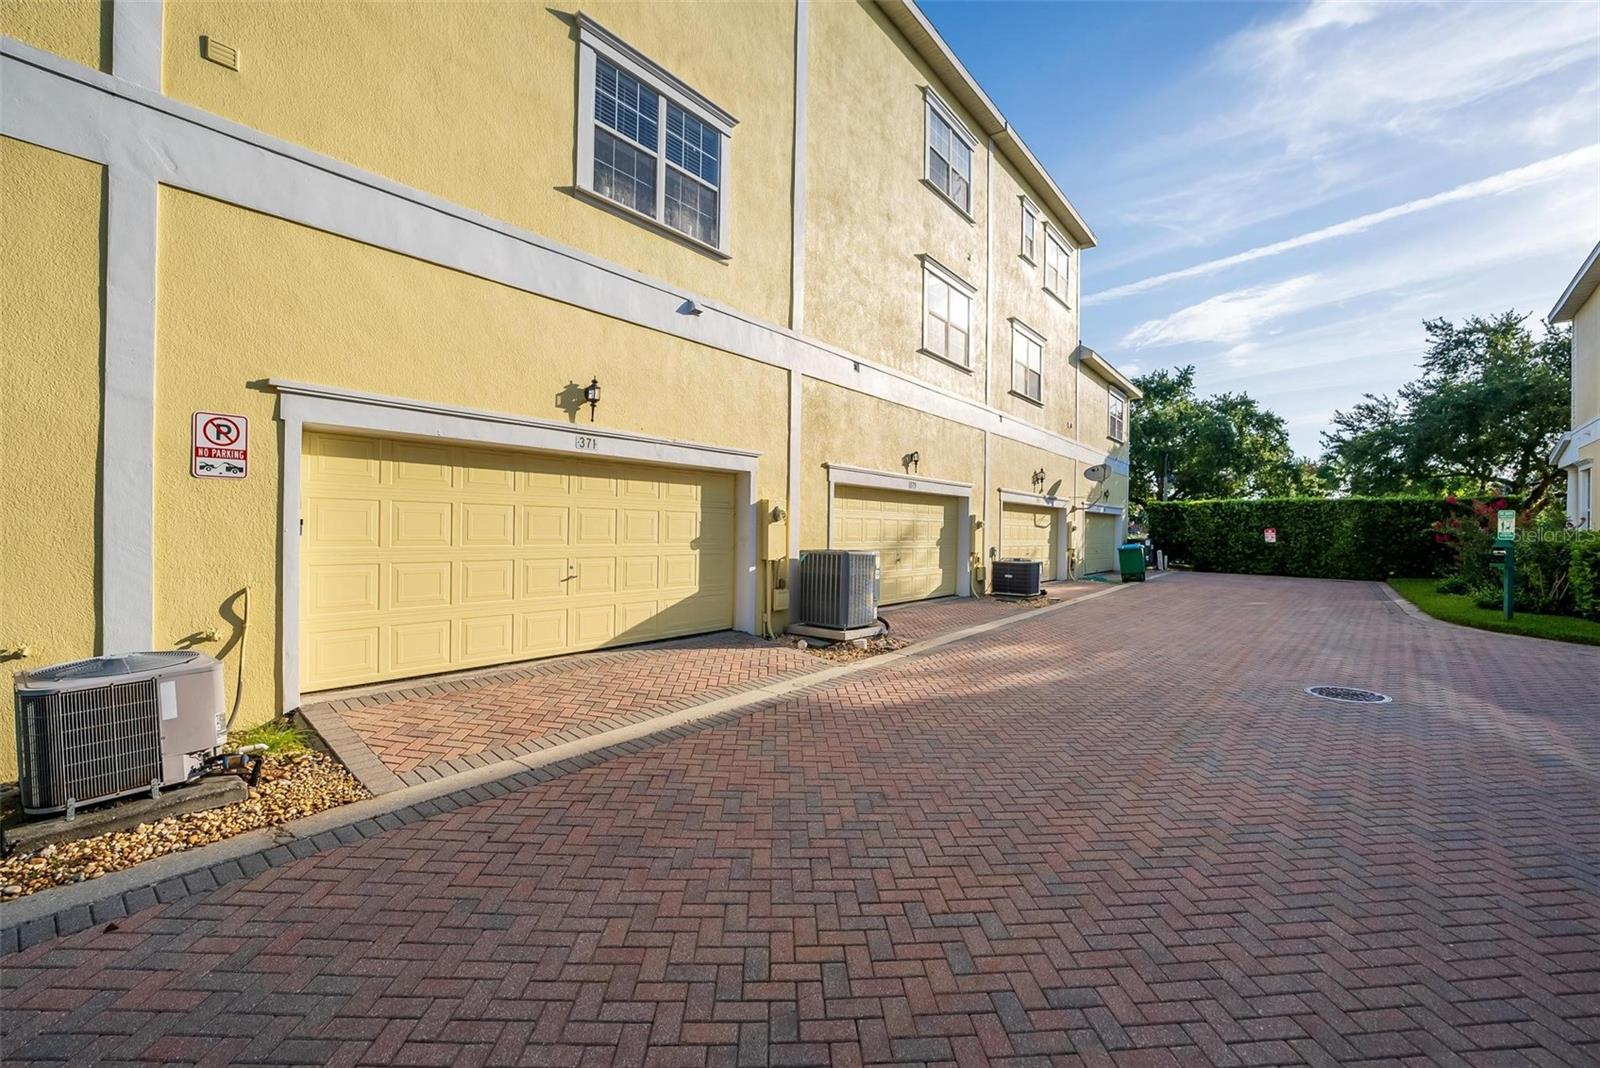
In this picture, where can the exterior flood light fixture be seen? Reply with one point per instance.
(591, 393)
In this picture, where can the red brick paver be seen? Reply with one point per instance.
(1118, 834)
(586, 693)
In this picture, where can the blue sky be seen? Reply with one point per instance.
(1283, 192)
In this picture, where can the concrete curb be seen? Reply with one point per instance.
(1420, 616)
(66, 910)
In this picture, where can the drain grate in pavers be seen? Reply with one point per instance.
(1349, 695)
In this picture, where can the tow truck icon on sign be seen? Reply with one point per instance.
(221, 446)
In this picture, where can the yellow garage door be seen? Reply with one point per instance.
(913, 534)
(421, 558)
(1099, 543)
(1030, 533)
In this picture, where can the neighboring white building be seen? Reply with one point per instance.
(1579, 448)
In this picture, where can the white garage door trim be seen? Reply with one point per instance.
(845, 475)
(302, 406)
(1063, 509)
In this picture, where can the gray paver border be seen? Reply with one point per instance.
(67, 910)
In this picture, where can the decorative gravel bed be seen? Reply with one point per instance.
(293, 784)
(847, 651)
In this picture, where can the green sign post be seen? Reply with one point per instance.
(1504, 555)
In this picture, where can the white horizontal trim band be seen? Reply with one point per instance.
(356, 409)
(1036, 500)
(65, 107)
(845, 475)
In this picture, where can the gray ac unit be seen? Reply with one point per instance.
(1018, 577)
(92, 730)
(838, 588)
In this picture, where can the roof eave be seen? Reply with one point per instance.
(919, 32)
(1579, 290)
(1104, 369)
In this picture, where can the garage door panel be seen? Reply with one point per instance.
(487, 581)
(420, 584)
(545, 524)
(595, 526)
(334, 588)
(913, 534)
(345, 523)
(343, 655)
(420, 647)
(420, 467)
(488, 525)
(421, 557)
(485, 638)
(420, 524)
(542, 633)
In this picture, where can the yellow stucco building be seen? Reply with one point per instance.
(303, 304)
(1578, 451)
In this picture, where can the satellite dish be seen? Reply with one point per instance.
(1097, 473)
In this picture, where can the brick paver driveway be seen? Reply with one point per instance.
(1116, 833)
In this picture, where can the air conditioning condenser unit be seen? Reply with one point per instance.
(110, 726)
(1018, 577)
(837, 589)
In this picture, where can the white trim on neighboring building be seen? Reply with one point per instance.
(847, 475)
(302, 406)
(1579, 290)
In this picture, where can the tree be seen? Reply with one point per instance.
(1481, 419)
(1221, 446)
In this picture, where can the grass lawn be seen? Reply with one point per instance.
(1457, 608)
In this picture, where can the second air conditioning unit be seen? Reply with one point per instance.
(92, 730)
(838, 589)
(1018, 577)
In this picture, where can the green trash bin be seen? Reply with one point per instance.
(1131, 559)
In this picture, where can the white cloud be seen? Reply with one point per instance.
(1225, 317)
(1583, 159)
(1536, 225)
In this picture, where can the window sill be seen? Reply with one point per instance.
(639, 217)
(1029, 260)
(1035, 401)
(946, 360)
(957, 208)
(1057, 297)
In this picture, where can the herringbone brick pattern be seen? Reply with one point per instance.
(928, 619)
(1119, 834)
(556, 696)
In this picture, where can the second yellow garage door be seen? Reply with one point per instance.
(914, 535)
(1099, 543)
(420, 558)
(1030, 533)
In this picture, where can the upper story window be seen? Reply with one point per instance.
(1057, 266)
(1030, 229)
(1116, 415)
(649, 143)
(946, 315)
(950, 149)
(1027, 362)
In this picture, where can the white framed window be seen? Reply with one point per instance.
(648, 143)
(1057, 266)
(1027, 363)
(1116, 415)
(950, 149)
(946, 315)
(1030, 230)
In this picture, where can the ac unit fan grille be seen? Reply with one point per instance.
(89, 744)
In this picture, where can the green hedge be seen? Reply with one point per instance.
(1318, 537)
(1585, 576)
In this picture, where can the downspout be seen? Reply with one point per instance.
(980, 549)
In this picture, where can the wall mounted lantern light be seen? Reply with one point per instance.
(912, 460)
(591, 393)
(1038, 479)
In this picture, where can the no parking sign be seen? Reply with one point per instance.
(221, 446)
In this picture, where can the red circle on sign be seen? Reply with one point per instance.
(220, 431)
